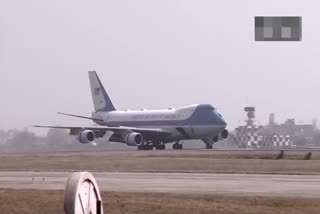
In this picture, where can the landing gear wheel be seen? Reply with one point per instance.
(82, 194)
(160, 146)
(174, 146)
(208, 146)
(215, 139)
(177, 146)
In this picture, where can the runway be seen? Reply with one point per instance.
(230, 184)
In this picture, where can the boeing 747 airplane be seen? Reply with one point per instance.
(148, 129)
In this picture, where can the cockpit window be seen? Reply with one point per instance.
(218, 113)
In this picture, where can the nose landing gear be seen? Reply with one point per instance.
(210, 141)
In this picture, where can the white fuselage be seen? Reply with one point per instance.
(189, 122)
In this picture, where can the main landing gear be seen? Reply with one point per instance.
(145, 147)
(161, 146)
(209, 146)
(150, 146)
(177, 146)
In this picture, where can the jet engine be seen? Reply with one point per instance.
(224, 134)
(134, 139)
(86, 136)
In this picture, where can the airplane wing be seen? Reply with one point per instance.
(101, 130)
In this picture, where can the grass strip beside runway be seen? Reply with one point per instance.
(254, 162)
(34, 201)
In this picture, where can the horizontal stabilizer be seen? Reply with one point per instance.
(79, 116)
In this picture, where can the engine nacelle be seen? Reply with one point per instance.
(86, 136)
(134, 139)
(224, 134)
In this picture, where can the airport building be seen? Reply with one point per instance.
(287, 134)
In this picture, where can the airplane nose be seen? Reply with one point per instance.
(221, 121)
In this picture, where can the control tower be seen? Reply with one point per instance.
(249, 134)
(254, 136)
(251, 116)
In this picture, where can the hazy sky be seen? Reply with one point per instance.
(154, 54)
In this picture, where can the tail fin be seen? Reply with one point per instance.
(100, 97)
